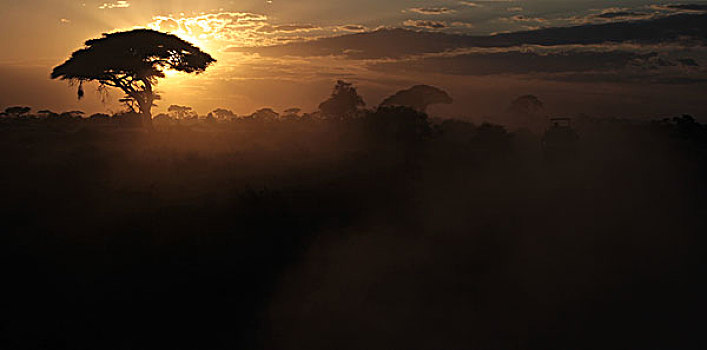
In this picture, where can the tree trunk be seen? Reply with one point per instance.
(146, 116)
(146, 106)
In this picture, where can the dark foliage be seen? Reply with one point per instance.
(418, 97)
(380, 232)
(344, 103)
(132, 61)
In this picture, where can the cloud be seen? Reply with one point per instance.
(627, 53)
(470, 4)
(614, 14)
(480, 3)
(462, 24)
(522, 19)
(113, 5)
(292, 28)
(65, 21)
(683, 29)
(686, 7)
(620, 14)
(231, 28)
(352, 28)
(432, 10)
(425, 24)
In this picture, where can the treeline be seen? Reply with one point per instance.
(344, 103)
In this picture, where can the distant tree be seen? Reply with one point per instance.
(527, 112)
(132, 61)
(209, 118)
(527, 104)
(418, 97)
(17, 111)
(292, 114)
(399, 123)
(265, 114)
(71, 114)
(223, 114)
(456, 131)
(45, 113)
(687, 128)
(344, 102)
(128, 119)
(181, 112)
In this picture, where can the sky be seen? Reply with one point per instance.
(40, 34)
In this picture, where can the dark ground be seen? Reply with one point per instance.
(366, 234)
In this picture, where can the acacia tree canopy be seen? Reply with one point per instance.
(418, 97)
(132, 61)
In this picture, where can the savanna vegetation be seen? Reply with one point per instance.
(349, 228)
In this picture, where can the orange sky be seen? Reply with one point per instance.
(42, 33)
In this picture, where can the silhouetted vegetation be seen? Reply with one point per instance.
(132, 61)
(344, 102)
(418, 97)
(350, 229)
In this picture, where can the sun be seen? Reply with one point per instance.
(183, 32)
(200, 43)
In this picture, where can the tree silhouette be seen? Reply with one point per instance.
(526, 111)
(45, 113)
(223, 114)
(343, 103)
(418, 97)
(265, 114)
(292, 113)
(17, 111)
(181, 112)
(526, 105)
(71, 114)
(132, 61)
(401, 123)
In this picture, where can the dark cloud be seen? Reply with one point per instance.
(578, 65)
(522, 19)
(426, 24)
(516, 62)
(397, 43)
(432, 10)
(287, 28)
(691, 7)
(621, 14)
(353, 28)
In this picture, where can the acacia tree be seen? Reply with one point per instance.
(418, 97)
(132, 61)
(180, 112)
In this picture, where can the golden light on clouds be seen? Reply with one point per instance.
(113, 5)
(219, 30)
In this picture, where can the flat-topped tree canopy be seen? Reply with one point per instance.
(139, 53)
(132, 61)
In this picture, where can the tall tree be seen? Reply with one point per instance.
(132, 61)
(344, 102)
(418, 97)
